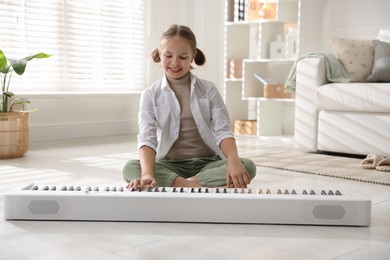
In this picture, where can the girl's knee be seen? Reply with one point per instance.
(131, 170)
(250, 167)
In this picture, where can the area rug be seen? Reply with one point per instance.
(321, 164)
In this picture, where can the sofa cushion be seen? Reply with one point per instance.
(357, 56)
(381, 68)
(358, 97)
(384, 35)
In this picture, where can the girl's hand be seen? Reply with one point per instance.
(142, 183)
(236, 175)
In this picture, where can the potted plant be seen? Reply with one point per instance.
(14, 130)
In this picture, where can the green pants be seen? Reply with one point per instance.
(210, 171)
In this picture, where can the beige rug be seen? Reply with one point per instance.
(320, 164)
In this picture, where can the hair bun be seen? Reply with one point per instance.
(200, 58)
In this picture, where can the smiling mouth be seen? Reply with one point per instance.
(175, 70)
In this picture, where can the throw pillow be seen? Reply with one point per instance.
(357, 56)
(381, 68)
(384, 35)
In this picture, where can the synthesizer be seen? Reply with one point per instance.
(207, 205)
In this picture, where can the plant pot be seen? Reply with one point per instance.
(14, 134)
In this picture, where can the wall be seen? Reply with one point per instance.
(357, 19)
(320, 20)
(77, 115)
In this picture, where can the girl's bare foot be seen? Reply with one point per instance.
(189, 182)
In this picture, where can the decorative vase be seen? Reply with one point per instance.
(14, 134)
(277, 49)
(292, 43)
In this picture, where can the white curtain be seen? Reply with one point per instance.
(97, 45)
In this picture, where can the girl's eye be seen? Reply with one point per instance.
(183, 58)
(168, 56)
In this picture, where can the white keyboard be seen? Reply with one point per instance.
(167, 204)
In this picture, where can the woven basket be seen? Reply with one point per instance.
(14, 134)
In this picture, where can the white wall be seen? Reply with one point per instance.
(320, 20)
(75, 115)
(357, 19)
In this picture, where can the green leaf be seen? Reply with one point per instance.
(22, 102)
(3, 60)
(28, 111)
(40, 55)
(19, 65)
(18, 101)
(8, 94)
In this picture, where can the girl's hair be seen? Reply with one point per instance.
(186, 33)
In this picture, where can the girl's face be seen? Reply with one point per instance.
(176, 57)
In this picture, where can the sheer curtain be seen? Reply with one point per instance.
(97, 45)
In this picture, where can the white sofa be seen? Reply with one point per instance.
(352, 118)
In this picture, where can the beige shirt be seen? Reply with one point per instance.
(190, 143)
(159, 116)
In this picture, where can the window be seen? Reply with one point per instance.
(97, 45)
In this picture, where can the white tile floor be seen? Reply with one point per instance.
(98, 161)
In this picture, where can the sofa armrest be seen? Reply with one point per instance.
(310, 74)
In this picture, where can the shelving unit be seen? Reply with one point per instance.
(274, 70)
(275, 117)
(249, 41)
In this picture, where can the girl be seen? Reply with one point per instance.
(185, 138)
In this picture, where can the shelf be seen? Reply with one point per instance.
(275, 116)
(250, 41)
(277, 70)
(269, 60)
(288, 100)
(241, 23)
(233, 80)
